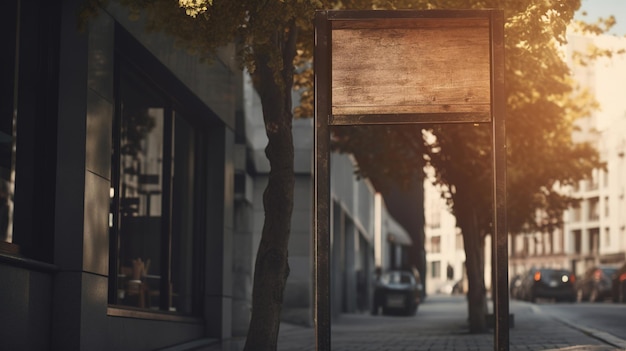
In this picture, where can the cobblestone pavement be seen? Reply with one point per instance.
(440, 325)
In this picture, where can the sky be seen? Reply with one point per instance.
(605, 8)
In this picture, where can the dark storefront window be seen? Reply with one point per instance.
(7, 115)
(154, 199)
(29, 66)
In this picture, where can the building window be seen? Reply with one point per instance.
(557, 242)
(435, 245)
(576, 212)
(594, 210)
(577, 234)
(594, 240)
(606, 207)
(154, 198)
(607, 237)
(594, 181)
(459, 240)
(435, 269)
(8, 112)
(525, 246)
(29, 87)
(435, 215)
(544, 246)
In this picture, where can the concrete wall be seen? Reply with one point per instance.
(63, 304)
(25, 314)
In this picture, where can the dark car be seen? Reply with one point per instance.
(397, 292)
(595, 284)
(548, 283)
(618, 285)
(515, 286)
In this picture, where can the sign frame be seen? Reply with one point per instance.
(356, 105)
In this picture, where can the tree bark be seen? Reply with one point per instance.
(474, 243)
(271, 266)
(476, 292)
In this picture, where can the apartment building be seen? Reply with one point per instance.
(593, 230)
(445, 253)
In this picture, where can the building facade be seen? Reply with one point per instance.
(364, 239)
(132, 178)
(131, 195)
(593, 230)
(445, 251)
(117, 169)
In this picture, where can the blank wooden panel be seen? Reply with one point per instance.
(408, 66)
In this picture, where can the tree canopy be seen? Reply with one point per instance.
(542, 106)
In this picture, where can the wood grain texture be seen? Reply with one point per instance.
(410, 66)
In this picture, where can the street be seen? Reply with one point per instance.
(441, 325)
(606, 317)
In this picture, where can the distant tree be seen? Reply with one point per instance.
(542, 106)
(274, 37)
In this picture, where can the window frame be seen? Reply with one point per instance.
(180, 101)
(32, 30)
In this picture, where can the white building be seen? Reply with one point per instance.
(595, 229)
(445, 253)
(593, 232)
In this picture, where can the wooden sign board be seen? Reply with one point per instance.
(395, 67)
(406, 67)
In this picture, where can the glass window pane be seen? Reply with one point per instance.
(183, 216)
(154, 200)
(140, 196)
(7, 118)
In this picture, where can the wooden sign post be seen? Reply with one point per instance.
(407, 67)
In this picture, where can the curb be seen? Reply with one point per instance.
(600, 335)
(605, 337)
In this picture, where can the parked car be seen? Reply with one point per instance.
(397, 291)
(618, 284)
(548, 283)
(595, 284)
(515, 286)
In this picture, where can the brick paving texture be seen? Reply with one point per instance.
(439, 325)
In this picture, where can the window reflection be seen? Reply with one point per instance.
(7, 176)
(183, 215)
(7, 120)
(140, 231)
(152, 201)
(6, 210)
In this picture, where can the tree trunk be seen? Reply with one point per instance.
(476, 292)
(474, 243)
(271, 266)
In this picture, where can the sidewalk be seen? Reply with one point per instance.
(441, 325)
